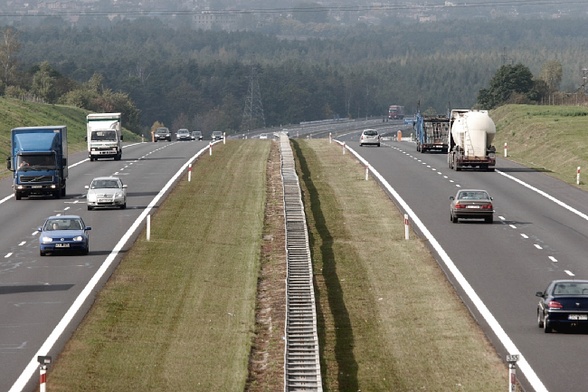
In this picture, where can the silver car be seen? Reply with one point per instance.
(106, 192)
(183, 134)
(369, 136)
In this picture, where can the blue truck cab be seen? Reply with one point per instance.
(38, 161)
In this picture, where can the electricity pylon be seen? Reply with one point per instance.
(253, 116)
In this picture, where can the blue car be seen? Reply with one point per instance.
(64, 233)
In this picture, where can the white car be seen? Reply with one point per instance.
(106, 192)
(369, 136)
(263, 136)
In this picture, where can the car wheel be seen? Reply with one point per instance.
(41, 253)
(90, 208)
(490, 219)
(454, 219)
(539, 321)
(123, 206)
(547, 325)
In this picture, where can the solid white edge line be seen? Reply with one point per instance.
(33, 365)
(545, 194)
(464, 284)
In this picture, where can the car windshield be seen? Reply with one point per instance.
(162, 130)
(105, 184)
(570, 288)
(473, 195)
(370, 133)
(63, 224)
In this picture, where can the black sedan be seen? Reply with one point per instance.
(563, 304)
(471, 204)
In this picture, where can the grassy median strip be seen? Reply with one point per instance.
(178, 313)
(389, 320)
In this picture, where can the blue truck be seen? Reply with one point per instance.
(38, 161)
(431, 132)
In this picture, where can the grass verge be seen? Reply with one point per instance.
(389, 320)
(178, 313)
(547, 138)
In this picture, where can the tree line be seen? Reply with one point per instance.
(202, 79)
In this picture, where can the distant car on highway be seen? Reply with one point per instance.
(471, 204)
(369, 136)
(106, 192)
(197, 135)
(183, 134)
(162, 133)
(64, 233)
(564, 303)
(263, 136)
(217, 135)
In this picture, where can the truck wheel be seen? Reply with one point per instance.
(62, 192)
(17, 195)
(118, 157)
(56, 194)
(92, 159)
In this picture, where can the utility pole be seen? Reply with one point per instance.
(253, 116)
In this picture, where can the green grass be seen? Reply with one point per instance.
(178, 313)
(16, 113)
(553, 139)
(389, 320)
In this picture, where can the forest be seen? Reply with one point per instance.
(205, 80)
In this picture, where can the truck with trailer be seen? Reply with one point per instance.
(395, 112)
(431, 132)
(104, 136)
(470, 140)
(38, 161)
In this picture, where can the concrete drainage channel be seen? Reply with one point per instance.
(302, 371)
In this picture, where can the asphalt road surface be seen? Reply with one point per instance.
(539, 234)
(39, 293)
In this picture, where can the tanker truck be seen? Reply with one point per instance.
(431, 133)
(470, 140)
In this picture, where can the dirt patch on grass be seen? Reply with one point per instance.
(266, 362)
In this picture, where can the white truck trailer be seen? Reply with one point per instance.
(104, 136)
(470, 140)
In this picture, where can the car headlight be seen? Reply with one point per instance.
(78, 238)
(46, 240)
(91, 196)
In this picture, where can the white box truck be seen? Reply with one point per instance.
(104, 136)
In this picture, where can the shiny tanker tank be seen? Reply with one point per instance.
(470, 140)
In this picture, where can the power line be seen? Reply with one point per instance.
(282, 10)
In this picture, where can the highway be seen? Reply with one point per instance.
(539, 234)
(37, 291)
